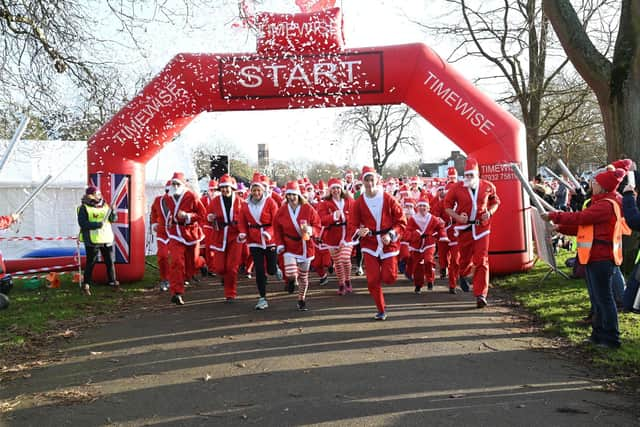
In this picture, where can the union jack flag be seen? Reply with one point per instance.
(119, 191)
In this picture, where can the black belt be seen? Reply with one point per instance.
(337, 224)
(602, 242)
(225, 224)
(296, 238)
(464, 230)
(474, 222)
(259, 225)
(377, 233)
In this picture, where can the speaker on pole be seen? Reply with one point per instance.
(219, 166)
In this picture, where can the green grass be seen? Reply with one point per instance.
(35, 309)
(559, 304)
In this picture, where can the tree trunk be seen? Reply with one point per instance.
(621, 116)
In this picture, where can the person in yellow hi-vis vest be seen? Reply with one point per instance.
(94, 218)
(599, 231)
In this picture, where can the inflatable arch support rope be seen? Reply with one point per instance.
(300, 67)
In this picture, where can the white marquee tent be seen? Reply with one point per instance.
(53, 213)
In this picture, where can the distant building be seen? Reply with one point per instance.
(263, 156)
(456, 159)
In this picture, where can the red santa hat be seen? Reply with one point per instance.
(258, 179)
(610, 179)
(414, 180)
(334, 182)
(348, 174)
(178, 177)
(368, 170)
(408, 201)
(452, 172)
(213, 184)
(292, 187)
(471, 167)
(227, 180)
(625, 164)
(424, 200)
(321, 185)
(167, 185)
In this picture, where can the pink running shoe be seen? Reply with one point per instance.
(341, 290)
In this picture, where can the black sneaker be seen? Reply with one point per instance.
(324, 280)
(331, 269)
(291, 286)
(481, 302)
(443, 273)
(464, 284)
(177, 299)
(452, 291)
(417, 289)
(430, 286)
(302, 305)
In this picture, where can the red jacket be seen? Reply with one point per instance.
(187, 230)
(5, 222)
(160, 219)
(258, 225)
(422, 235)
(288, 234)
(600, 214)
(335, 230)
(225, 228)
(484, 199)
(391, 218)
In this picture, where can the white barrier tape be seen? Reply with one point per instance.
(17, 238)
(37, 270)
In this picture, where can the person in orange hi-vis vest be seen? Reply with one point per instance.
(379, 221)
(599, 231)
(471, 203)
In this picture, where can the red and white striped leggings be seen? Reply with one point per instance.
(342, 263)
(294, 268)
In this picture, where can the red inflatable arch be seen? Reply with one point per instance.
(311, 70)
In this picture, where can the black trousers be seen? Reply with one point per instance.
(262, 257)
(92, 257)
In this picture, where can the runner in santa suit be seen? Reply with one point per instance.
(159, 220)
(322, 260)
(405, 261)
(296, 224)
(437, 208)
(334, 212)
(223, 214)
(256, 230)
(379, 220)
(184, 211)
(422, 232)
(207, 228)
(471, 203)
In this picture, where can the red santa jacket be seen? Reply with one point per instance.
(256, 221)
(462, 200)
(186, 230)
(423, 231)
(159, 218)
(276, 197)
(225, 227)
(288, 233)
(336, 227)
(391, 218)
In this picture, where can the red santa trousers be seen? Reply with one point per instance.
(475, 253)
(454, 265)
(180, 255)
(226, 264)
(423, 267)
(379, 271)
(321, 262)
(443, 254)
(162, 255)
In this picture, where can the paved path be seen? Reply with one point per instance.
(436, 361)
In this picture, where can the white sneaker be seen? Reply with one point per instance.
(359, 272)
(164, 285)
(262, 304)
(279, 273)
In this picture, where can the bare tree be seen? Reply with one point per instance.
(513, 36)
(384, 128)
(615, 79)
